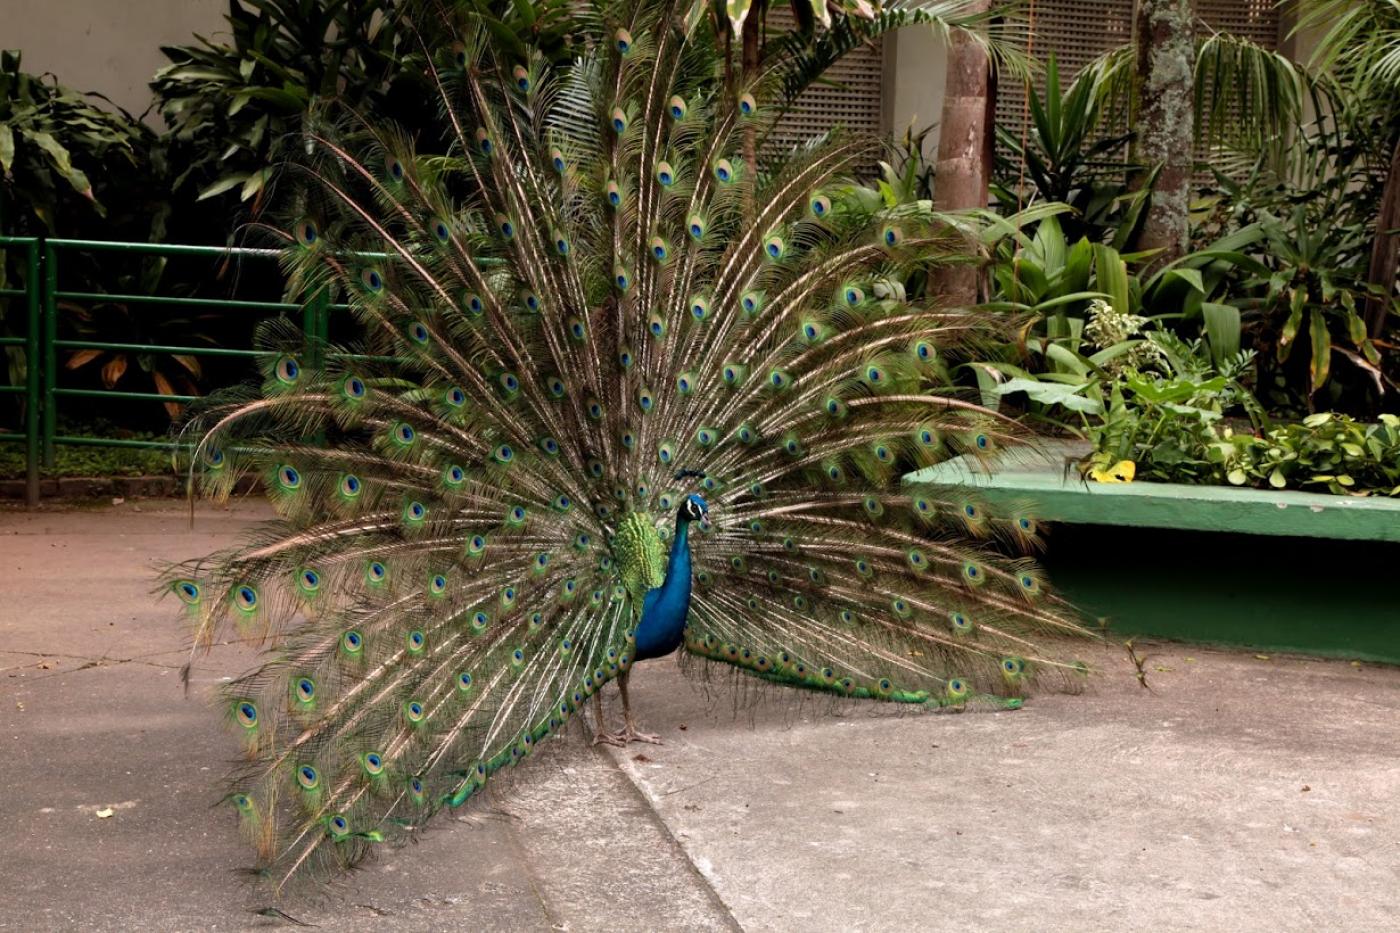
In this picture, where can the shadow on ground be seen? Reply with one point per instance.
(1242, 792)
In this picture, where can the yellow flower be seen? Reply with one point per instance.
(1121, 472)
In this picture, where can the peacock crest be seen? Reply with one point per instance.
(581, 311)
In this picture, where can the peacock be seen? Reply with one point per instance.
(622, 382)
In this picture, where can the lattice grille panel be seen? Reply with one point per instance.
(850, 94)
(1079, 31)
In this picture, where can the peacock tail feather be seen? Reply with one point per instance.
(585, 308)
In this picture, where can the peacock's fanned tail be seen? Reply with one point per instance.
(587, 292)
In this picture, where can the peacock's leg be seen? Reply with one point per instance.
(601, 735)
(629, 731)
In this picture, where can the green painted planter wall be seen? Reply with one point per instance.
(1273, 571)
(1309, 595)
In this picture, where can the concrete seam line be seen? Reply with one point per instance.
(523, 858)
(675, 843)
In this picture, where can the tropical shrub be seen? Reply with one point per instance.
(1156, 407)
(1067, 156)
(232, 106)
(68, 167)
(65, 161)
(1305, 299)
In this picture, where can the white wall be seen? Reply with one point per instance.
(916, 69)
(111, 46)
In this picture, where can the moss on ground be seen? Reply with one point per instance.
(90, 461)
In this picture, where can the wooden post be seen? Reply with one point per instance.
(1164, 32)
(965, 147)
(1385, 250)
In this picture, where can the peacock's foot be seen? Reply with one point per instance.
(610, 738)
(627, 736)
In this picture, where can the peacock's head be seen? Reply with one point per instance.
(693, 509)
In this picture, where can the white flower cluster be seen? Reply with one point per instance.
(1108, 326)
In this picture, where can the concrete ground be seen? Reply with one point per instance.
(1242, 793)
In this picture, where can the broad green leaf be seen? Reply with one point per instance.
(1110, 353)
(1069, 299)
(697, 12)
(240, 101)
(1200, 414)
(223, 184)
(1321, 364)
(1066, 358)
(1191, 277)
(1291, 326)
(199, 74)
(255, 183)
(63, 162)
(526, 11)
(987, 383)
(1066, 396)
(1112, 277)
(1172, 390)
(997, 227)
(1030, 276)
(1006, 369)
(1356, 328)
(1050, 244)
(7, 147)
(58, 155)
(1079, 261)
(1222, 329)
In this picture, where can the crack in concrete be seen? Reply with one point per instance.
(107, 661)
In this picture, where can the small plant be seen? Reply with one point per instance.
(1325, 452)
(1304, 300)
(1066, 157)
(162, 373)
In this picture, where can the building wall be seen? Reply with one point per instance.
(110, 46)
(113, 47)
(916, 69)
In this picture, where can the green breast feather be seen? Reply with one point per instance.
(641, 560)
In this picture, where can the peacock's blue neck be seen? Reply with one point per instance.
(662, 626)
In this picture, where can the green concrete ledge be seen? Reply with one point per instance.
(1272, 571)
(1047, 478)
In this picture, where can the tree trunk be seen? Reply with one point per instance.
(965, 147)
(1385, 251)
(1166, 55)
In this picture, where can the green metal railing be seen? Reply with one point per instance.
(30, 341)
(42, 345)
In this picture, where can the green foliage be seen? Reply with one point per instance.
(1053, 280)
(94, 461)
(161, 373)
(1065, 157)
(1247, 99)
(1177, 443)
(234, 105)
(53, 143)
(1173, 409)
(803, 55)
(1305, 296)
(68, 167)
